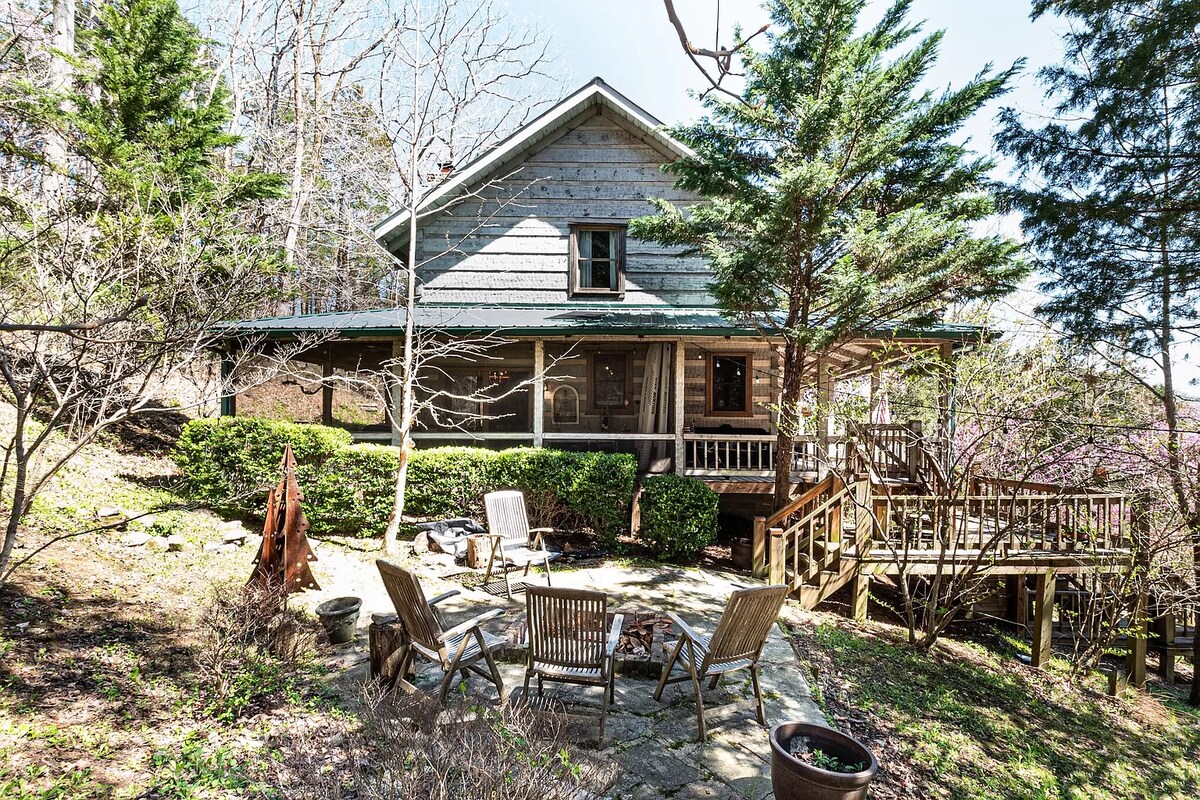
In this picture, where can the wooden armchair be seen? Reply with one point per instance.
(455, 649)
(571, 640)
(736, 644)
(513, 542)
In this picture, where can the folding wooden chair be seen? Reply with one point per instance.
(454, 650)
(513, 542)
(571, 640)
(736, 644)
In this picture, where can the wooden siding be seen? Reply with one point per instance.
(513, 237)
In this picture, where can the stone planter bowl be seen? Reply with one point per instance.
(339, 618)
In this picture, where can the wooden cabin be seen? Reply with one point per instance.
(616, 343)
(612, 343)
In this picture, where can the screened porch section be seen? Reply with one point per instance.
(703, 407)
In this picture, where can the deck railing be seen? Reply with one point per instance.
(1008, 523)
(806, 535)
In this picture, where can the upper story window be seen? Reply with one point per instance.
(597, 259)
(729, 384)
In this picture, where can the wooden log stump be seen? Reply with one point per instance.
(384, 638)
(478, 550)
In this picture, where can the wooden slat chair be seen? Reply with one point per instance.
(513, 542)
(455, 649)
(571, 640)
(736, 644)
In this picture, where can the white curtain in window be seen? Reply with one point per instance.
(585, 251)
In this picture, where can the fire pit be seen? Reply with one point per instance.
(640, 652)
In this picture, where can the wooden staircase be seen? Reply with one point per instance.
(865, 523)
(813, 540)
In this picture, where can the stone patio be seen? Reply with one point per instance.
(653, 743)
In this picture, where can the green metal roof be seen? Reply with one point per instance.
(597, 319)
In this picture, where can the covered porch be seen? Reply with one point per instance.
(682, 389)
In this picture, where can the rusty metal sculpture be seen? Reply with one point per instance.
(284, 554)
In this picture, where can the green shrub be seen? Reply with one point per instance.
(679, 515)
(231, 463)
(352, 495)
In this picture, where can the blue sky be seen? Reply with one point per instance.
(631, 45)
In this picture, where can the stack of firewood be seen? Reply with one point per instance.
(638, 634)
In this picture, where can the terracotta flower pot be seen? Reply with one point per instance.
(795, 779)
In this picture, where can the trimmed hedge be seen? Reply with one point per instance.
(679, 515)
(231, 462)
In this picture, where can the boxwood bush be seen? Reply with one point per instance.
(679, 515)
(230, 463)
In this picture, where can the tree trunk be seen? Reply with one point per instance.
(60, 81)
(785, 438)
(408, 363)
(17, 509)
(391, 536)
(1194, 697)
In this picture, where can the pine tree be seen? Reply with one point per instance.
(1110, 192)
(838, 200)
(149, 114)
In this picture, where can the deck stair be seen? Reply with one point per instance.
(838, 531)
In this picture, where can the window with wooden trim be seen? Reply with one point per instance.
(610, 381)
(597, 259)
(730, 383)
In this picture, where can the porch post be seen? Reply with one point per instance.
(1043, 620)
(539, 391)
(327, 388)
(945, 402)
(396, 398)
(680, 445)
(228, 399)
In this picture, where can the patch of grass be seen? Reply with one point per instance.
(970, 721)
(195, 770)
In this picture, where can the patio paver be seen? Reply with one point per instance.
(654, 743)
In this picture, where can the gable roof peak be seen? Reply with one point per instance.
(393, 230)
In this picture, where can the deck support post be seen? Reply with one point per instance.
(1043, 620)
(1135, 659)
(1164, 632)
(758, 555)
(861, 588)
(775, 568)
(539, 391)
(677, 416)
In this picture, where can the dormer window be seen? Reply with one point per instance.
(597, 259)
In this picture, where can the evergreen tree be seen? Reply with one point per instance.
(149, 114)
(839, 201)
(1110, 192)
(113, 283)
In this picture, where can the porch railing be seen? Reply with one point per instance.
(755, 454)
